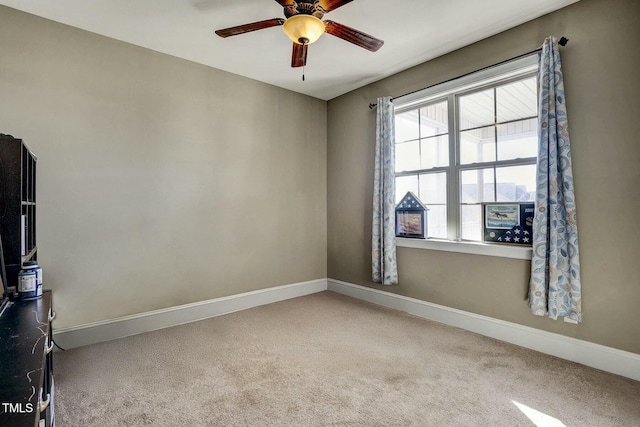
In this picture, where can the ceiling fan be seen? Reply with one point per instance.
(304, 26)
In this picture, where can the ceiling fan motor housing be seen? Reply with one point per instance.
(302, 7)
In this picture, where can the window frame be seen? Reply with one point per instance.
(450, 91)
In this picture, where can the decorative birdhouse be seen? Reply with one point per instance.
(411, 217)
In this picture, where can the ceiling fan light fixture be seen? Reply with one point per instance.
(303, 29)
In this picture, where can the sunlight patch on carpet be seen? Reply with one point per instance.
(540, 419)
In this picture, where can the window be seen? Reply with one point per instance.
(468, 141)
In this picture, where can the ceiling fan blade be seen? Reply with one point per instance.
(330, 5)
(353, 36)
(246, 28)
(299, 55)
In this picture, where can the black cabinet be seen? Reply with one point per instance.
(26, 363)
(17, 205)
(26, 344)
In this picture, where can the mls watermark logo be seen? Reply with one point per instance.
(17, 408)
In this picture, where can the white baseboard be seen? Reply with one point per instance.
(95, 332)
(597, 356)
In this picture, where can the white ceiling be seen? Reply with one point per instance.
(414, 31)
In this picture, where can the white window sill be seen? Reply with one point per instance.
(475, 248)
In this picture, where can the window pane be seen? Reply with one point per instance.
(408, 156)
(477, 109)
(434, 152)
(433, 120)
(517, 100)
(478, 145)
(433, 188)
(404, 184)
(496, 132)
(518, 140)
(471, 219)
(406, 125)
(516, 183)
(437, 221)
(477, 186)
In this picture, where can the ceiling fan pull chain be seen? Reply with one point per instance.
(303, 73)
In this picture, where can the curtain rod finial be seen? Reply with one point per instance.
(372, 106)
(563, 41)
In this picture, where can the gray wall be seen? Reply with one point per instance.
(160, 181)
(601, 66)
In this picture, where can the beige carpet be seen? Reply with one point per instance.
(329, 360)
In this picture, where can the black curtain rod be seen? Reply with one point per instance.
(562, 42)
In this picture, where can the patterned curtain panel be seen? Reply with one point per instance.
(384, 267)
(555, 268)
